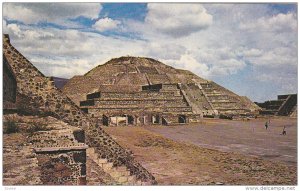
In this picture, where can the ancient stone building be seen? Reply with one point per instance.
(139, 90)
(285, 105)
(37, 95)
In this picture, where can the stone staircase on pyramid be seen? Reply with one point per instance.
(222, 102)
(121, 175)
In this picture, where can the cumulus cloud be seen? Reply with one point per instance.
(13, 29)
(106, 24)
(238, 47)
(33, 13)
(277, 23)
(253, 52)
(166, 51)
(178, 19)
(65, 53)
(227, 67)
(188, 62)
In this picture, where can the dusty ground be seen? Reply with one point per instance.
(195, 154)
(245, 137)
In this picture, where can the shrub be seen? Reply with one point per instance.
(10, 126)
(37, 126)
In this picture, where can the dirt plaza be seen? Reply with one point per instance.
(216, 151)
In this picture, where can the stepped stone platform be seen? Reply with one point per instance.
(154, 104)
(285, 105)
(137, 85)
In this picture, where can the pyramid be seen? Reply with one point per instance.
(126, 85)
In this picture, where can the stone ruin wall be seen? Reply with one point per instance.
(43, 98)
(62, 167)
(61, 155)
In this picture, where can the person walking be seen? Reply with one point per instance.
(283, 131)
(266, 125)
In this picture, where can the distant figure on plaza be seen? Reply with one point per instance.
(283, 131)
(266, 125)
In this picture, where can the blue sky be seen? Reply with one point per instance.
(250, 49)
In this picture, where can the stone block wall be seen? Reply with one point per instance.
(62, 167)
(61, 153)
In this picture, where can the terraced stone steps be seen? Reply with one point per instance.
(141, 101)
(173, 97)
(142, 94)
(96, 175)
(156, 109)
(221, 101)
(121, 175)
(136, 106)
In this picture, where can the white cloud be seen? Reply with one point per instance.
(166, 51)
(277, 23)
(188, 62)
(106, 24)
(33, 13)
(178, 19)
(251, 52)
(227, 67)
(265, 52)
(12, 29)
(65, 53)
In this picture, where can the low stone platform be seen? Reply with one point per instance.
(154, 104)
